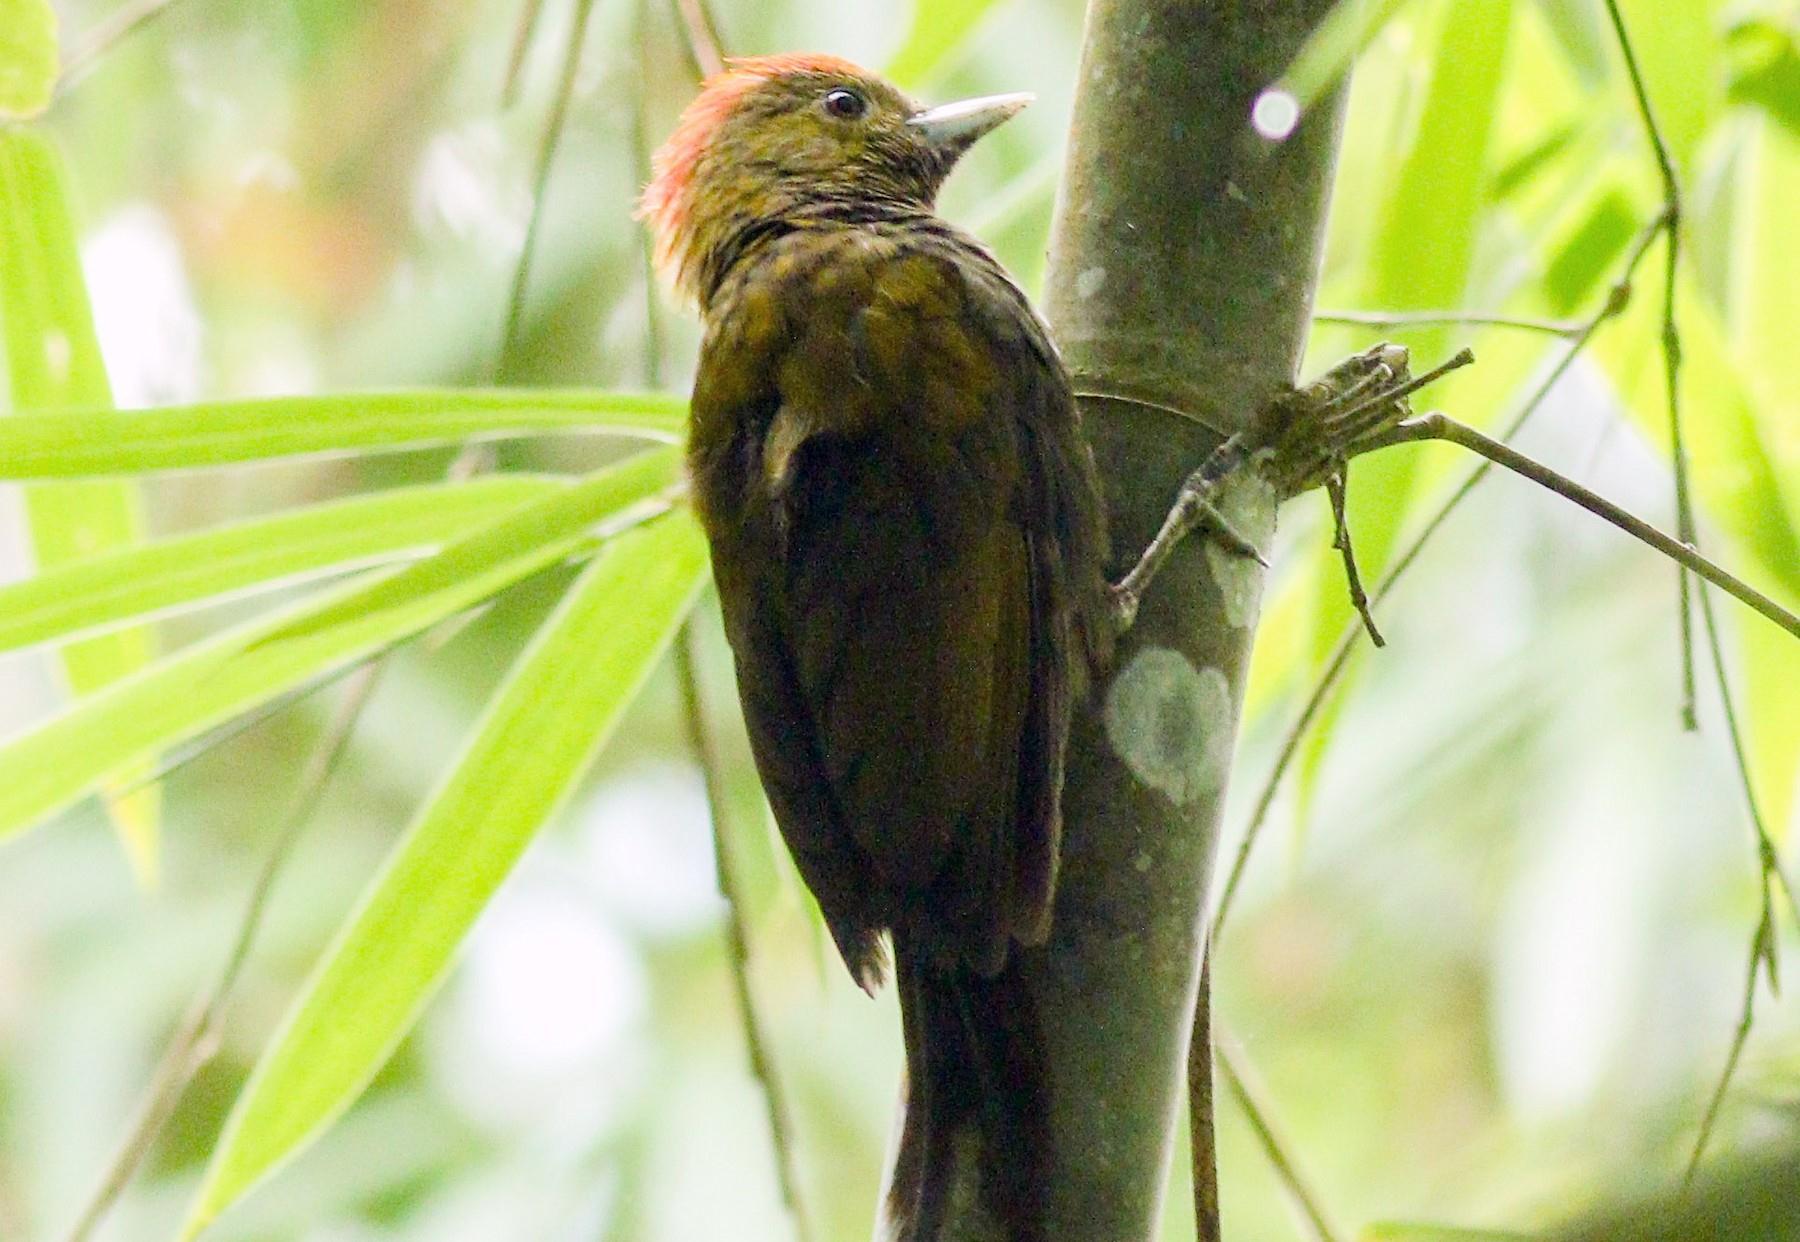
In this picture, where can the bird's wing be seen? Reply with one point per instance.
(870, 461)
(903, 673)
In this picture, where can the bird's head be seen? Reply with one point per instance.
(775, 134)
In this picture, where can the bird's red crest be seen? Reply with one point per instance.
(666, 201)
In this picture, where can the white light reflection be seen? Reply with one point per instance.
(1275, 114)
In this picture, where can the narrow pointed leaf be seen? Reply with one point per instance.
(200, 687)
(561, 515)
(939, 28)
(255, 555)
(92, 443)
(28, 54)
(1333, 46)
(555, 711)
(53, 361)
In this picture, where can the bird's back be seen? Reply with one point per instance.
(885, 456)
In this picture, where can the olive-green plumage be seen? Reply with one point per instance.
(906, 537)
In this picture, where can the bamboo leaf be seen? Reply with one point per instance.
(559, 516)
(222, 433)
(53, 361)
(1765, 70)
(27, 57)
(939, 27)
(1334, 45)
(258, 554)
(200, 687)
(559, 704)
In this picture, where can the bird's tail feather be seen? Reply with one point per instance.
(976, 1100)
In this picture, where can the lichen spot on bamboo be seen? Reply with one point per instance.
(1171, 724)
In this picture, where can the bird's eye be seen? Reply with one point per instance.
(845, 104)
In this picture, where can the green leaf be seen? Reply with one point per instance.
(938, 28)
(559, 704)
(1581, 30)
(1765, 70)
(560, 516)
(27, 57)
(1593, 245)
(1768, 264)
(1335, 43)
(53, 361)
(224, 433)
(258, 554)
(202, 686)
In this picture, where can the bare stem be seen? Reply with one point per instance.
(1569, 328)
(1761, 948)
(1768, 855)
(1236, 1073)
(701, 37)
(1671, 343)
(1762, 938)
(196, 1041)
(552, 138)
(1359, 598)
(1437, 426)
(737, 933)
(105, 37)
(1203, 1138)
(529, 12)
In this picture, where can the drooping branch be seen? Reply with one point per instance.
(1440, 427)
(1568, 328)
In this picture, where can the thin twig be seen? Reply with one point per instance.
(1373, 407)
(1767, 854)
(1616, 299)
(1761, 947)
(1763, 939)
(1359, 598)
(1203, 1145)
(737, 931)
(529, 12)
(1436, 426)
(700, 36)
(105, 36)
(196, 1041)
(640, 157)
(552, 137)
(1568, 328)
(1237, 1079)
(1685, 526)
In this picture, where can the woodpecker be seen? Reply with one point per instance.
(908, 543)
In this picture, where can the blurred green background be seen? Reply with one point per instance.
(1489, 957)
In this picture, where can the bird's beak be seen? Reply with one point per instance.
(952, 128)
